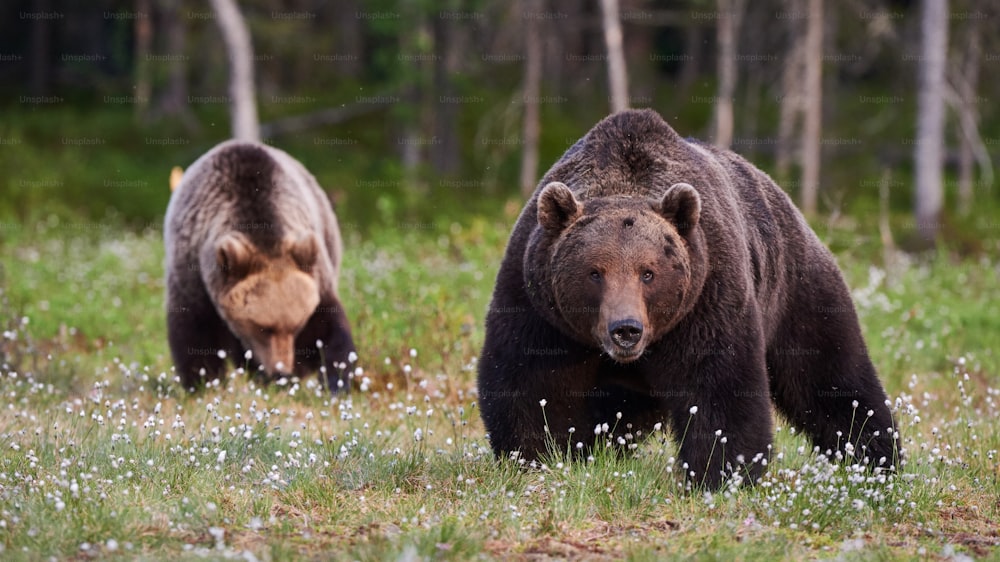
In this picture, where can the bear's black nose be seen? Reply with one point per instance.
(625, 333)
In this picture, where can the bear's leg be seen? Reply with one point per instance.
(329, 325)
(823, 380)
(517, 421)
(631, 414)
(196, 334)
(723, 424)
(523, 363)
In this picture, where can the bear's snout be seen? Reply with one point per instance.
(281, 355)
(625, 333)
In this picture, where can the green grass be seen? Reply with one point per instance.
(102, 455)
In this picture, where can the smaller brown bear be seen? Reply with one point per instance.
(653, 279)
(253, 254)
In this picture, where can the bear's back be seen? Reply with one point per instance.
(251, 188)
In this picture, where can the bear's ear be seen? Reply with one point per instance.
(681, 205)
(557, 207)
(233, 256)
(304, 251)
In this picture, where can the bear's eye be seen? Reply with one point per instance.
(595, 276)
(647, 276)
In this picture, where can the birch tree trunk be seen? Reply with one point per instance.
(928, 153)
(617, 77)
(532, 94)
(241, 83)
(728, 24)
(813, 100)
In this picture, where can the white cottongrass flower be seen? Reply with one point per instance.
(543, 402)
(693, 410)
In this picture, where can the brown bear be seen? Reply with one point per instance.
(656, 279)
(253, 254)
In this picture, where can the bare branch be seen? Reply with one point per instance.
(323, 117)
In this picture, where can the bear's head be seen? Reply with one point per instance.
(620, 267)
(268, 298)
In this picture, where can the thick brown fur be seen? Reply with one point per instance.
(253, 257)
(650, 274)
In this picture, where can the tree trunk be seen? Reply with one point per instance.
(967, 84)
(241, 85)
(758, 77)
(143, 45)
(417, 109)
(532, 95)
(690, 63)
(174, 100)
(928, 154)
(791, 97)
(642, 69)
(349, 38)
(751, 110)
(728, 25)
(444, 152)
(813, 100)
(617, 77)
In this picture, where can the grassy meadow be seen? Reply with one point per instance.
(102, 454)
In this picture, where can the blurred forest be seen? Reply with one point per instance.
(429, 111)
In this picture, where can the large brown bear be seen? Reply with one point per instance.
(661, 279)
(253, 255)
